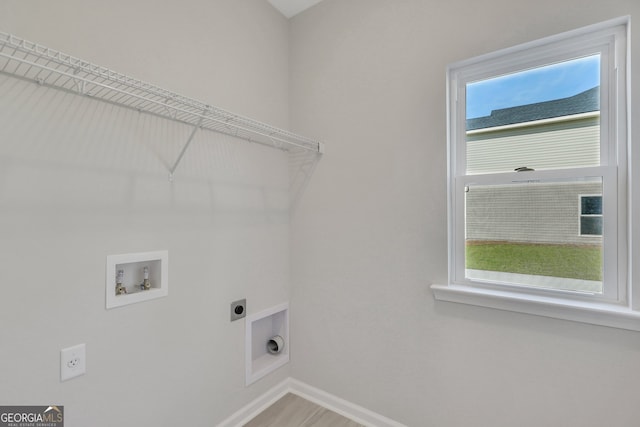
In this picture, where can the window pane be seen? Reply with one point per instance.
(542, 118)
(591, 225)
(591, 205)
(530, 234)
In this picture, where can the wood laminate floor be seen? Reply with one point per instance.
(294, 411)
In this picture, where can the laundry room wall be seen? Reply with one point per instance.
(370, 233)
(82, 179)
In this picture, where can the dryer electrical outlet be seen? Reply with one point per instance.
(238, 309)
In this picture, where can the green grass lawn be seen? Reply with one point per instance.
(570, 261)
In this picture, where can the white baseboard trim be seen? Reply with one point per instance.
(343, 407)
(334, 403)
(248, 412)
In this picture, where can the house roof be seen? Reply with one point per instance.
(583, 102)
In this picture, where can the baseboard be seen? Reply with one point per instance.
(343, 407)
(248, 412)
(320, 397)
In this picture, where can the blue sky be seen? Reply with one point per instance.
(526, 87)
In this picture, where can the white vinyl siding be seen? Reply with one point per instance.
(573, 142)
(532, 213)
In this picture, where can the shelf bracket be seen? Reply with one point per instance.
(186, 145)
(79, 83)
(171, 112)
(275, 143)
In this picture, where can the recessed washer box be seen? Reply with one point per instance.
(126, 273)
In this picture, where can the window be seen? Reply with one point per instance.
(591, 215)
(533, 132)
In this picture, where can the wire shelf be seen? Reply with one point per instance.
(51, 68)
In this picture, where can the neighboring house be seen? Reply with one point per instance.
(545, 135)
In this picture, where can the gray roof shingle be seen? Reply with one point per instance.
(583, 102)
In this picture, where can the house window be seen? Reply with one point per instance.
(533, 131)
(591, 215)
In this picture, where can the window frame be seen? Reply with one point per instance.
(615, 306)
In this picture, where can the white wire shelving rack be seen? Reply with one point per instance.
(48, 67)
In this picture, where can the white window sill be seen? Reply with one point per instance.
(615, 316)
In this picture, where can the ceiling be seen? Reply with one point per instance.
(290, 8)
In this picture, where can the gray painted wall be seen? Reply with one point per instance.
(80, 180)
(369, 235)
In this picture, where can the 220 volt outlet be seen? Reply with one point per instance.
(238, 309)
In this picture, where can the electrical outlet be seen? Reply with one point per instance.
(238, 309)
(72, 362)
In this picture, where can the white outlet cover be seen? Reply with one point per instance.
(73, 362)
